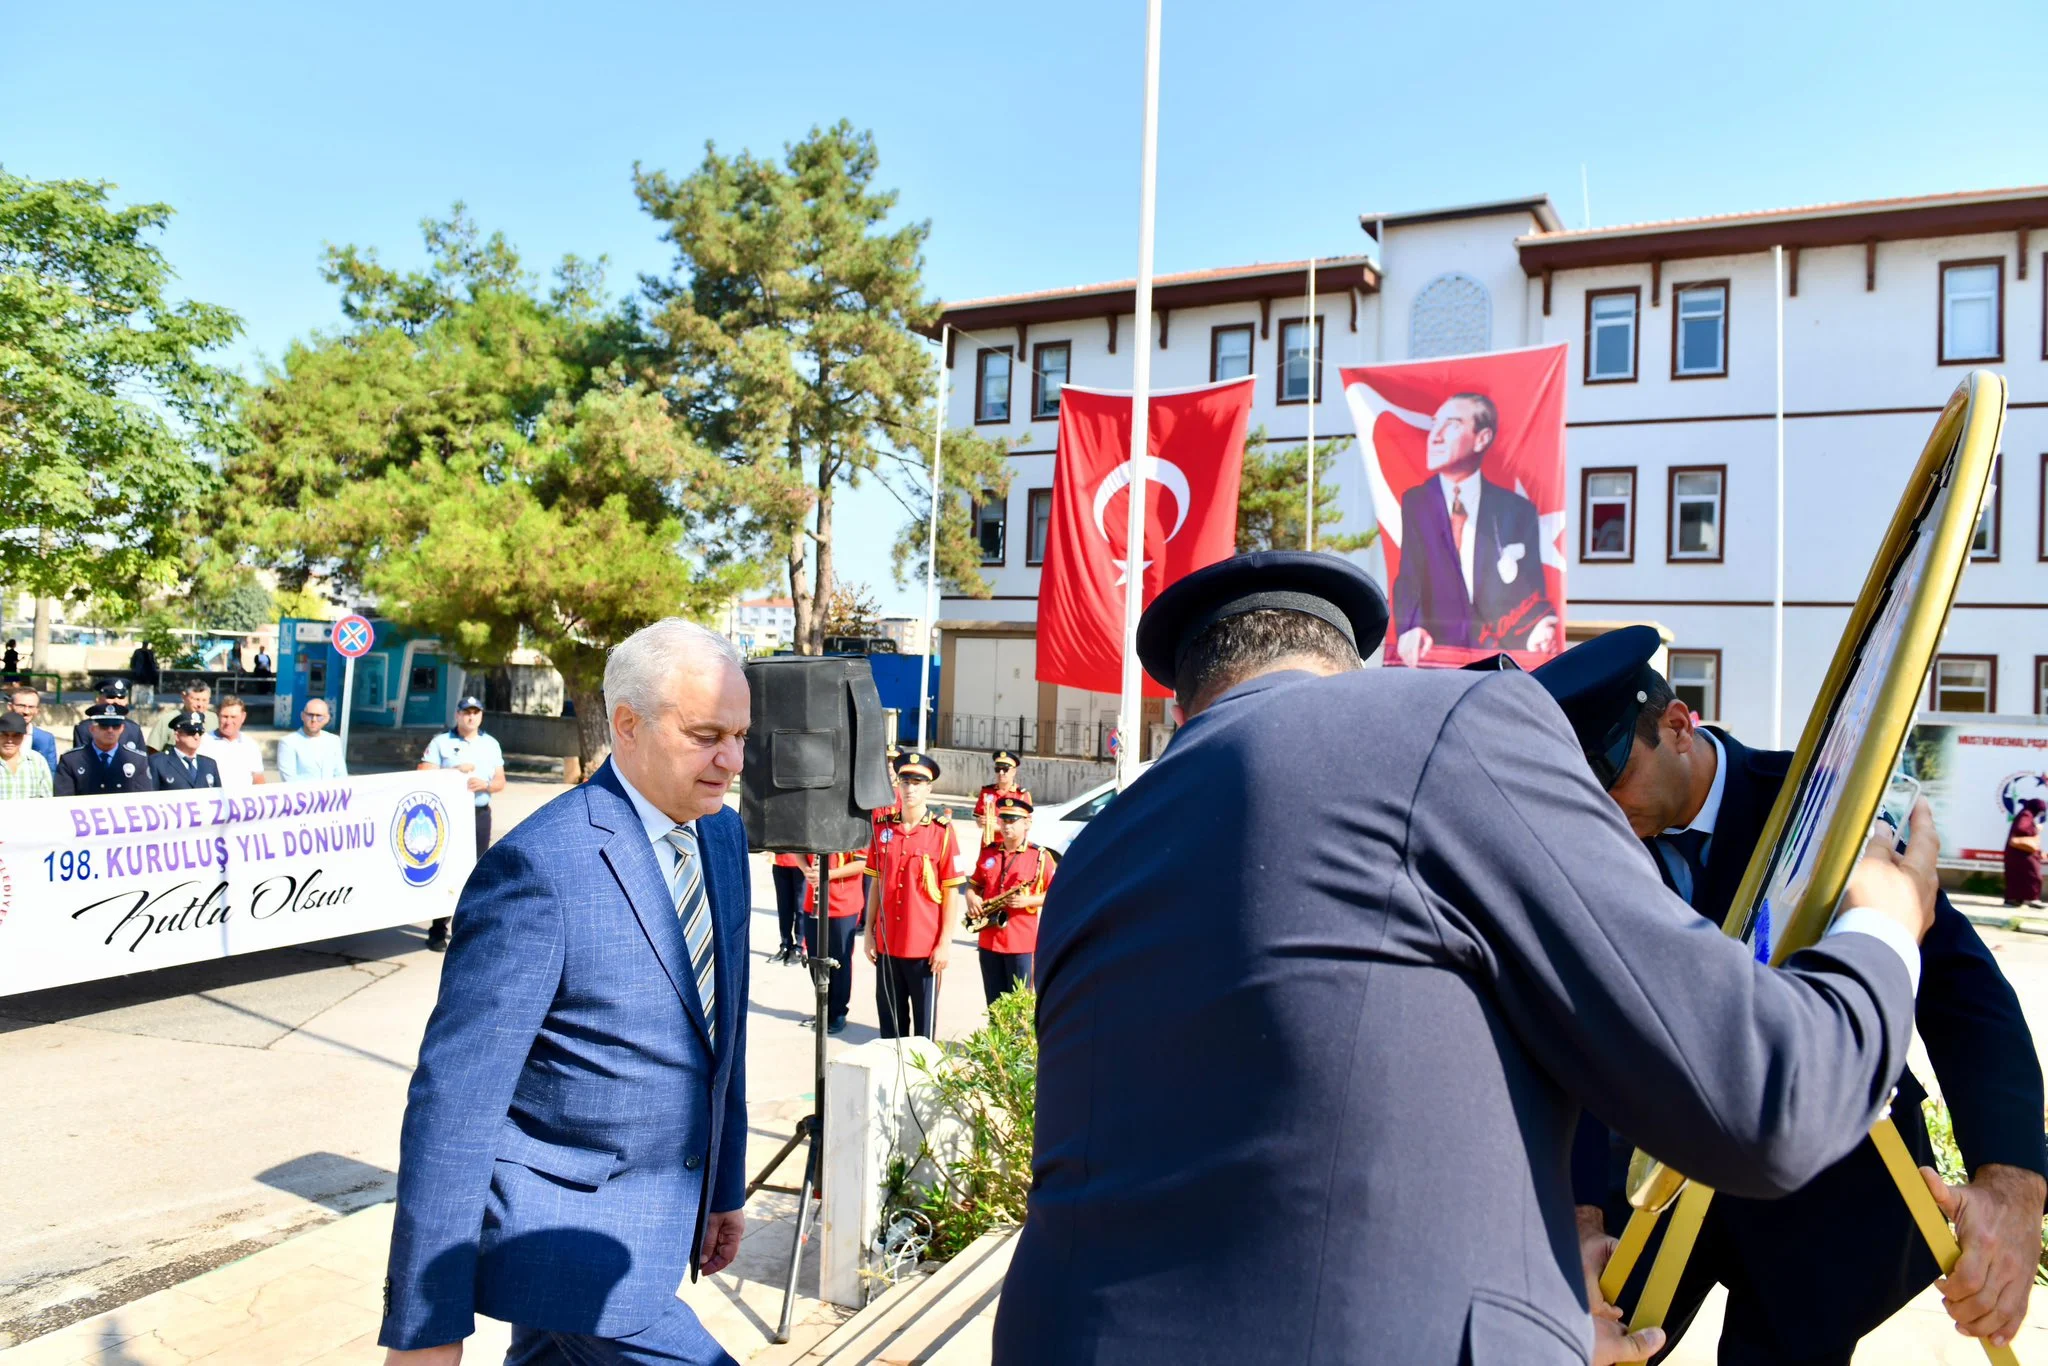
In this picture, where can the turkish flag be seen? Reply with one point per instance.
(1422, 428)
(1191, 481)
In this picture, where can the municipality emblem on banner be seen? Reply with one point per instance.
(419, 836)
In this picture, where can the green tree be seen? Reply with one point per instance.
(790, 322)
(241, 608)
(488, 459)
(852, 611)
(1272, 499)
(111, 412)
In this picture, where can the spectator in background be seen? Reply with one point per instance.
(10, 660)
(142, 664)
(2023, 855)
(197, 696)
(311, 753)
(27, 703)
(22, 771)
(239, 758)
(262, 662)
(466, 748)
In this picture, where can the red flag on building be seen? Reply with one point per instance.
(1465, 460)
(1191, 480)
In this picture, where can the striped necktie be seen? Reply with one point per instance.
(693, 908)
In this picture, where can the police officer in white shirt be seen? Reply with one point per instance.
(467, 748)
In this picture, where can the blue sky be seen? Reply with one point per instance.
(273, 129)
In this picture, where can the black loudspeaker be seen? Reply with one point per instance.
(816, 762)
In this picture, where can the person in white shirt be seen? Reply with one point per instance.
(239, 758)
(311, 753)
(465, 747)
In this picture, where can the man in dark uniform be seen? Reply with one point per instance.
(113, 693)
(1307, 1086)
(985, 800)
(182, 765)
(914, 904)
(1012, 863)
(1810, 1274)
(108, 762)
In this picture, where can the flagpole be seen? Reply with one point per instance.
(931, 552)
(1130, 706)
(1778, 585)
(1315, 348)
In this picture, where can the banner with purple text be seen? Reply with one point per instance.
(94, 887)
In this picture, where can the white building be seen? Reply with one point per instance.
(1670, 413)
(762, 624)
(908, 632)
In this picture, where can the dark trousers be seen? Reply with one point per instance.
(674, 1339)
(906, 996)
(839, 931)
(1002, 972)
(789, 900)
(483, 841)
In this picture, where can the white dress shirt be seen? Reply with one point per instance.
(1855, 920)
(1464, 492)
(657, 824)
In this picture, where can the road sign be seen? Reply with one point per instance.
(353, 636)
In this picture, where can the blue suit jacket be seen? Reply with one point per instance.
(570, 1124)
(46, 745)
(1307, 1081)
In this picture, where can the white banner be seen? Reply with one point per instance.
(1975, 772)
(95, 887)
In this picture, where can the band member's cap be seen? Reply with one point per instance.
(1005, 759)
(190, 722)
(913, 763)
(1602, 685)
(1326, 587)
(1013, 802)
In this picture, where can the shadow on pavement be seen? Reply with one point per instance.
(335, 1182)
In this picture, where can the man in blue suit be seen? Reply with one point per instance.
(575, 1137)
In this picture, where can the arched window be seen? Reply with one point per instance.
(1453, 315)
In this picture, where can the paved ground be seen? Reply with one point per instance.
(162, 1125)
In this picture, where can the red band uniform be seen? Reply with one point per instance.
(1007, 949)
(985, 801)
(845, 899)
(914, 865)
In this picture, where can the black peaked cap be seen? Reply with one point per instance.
(1328, 587)
(1601, 685)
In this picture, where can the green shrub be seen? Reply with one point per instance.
(988, 1082)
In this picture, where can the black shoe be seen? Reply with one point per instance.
(437, 942)
(837, 1026)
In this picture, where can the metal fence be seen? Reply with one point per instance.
(1025, 734)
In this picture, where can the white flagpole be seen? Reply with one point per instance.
(1130, 707)
(931, 553)
(1778, 587)
(1315, 338)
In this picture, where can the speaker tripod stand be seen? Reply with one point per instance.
(810, 1130)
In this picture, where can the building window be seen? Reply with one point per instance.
(1038, 505)
(1699, 330)
(1972, 311)
(1452, 316)
(2041, 685)
(1696, 681)
(1049, 364)
(1607, 514)
(1984, 545)
(1230, 352)
(1295, 365)
(1967, 683)
(1694, 518)
(989, 514)
(992, 384)
(1611, 335)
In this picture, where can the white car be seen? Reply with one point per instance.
(1055, 827)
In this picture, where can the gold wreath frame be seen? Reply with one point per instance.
(1959, 455)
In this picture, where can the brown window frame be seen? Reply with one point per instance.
(2041, 510)
(1727, 315)
(1720, 676)
(2040, 667)
(2044, 305)
(1635, 361)
(1316, 334)
(981, 379)
(1031, 497)
(1720, 554)
(1251, 348)
(1941, 312)
(1934, 681)
(1002, 500)
(1997, 516)
(1635, 504)
(1039, 413)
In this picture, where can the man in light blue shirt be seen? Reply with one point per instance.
(467, 748)
(311, 753)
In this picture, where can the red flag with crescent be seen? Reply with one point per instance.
(1191, 481)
